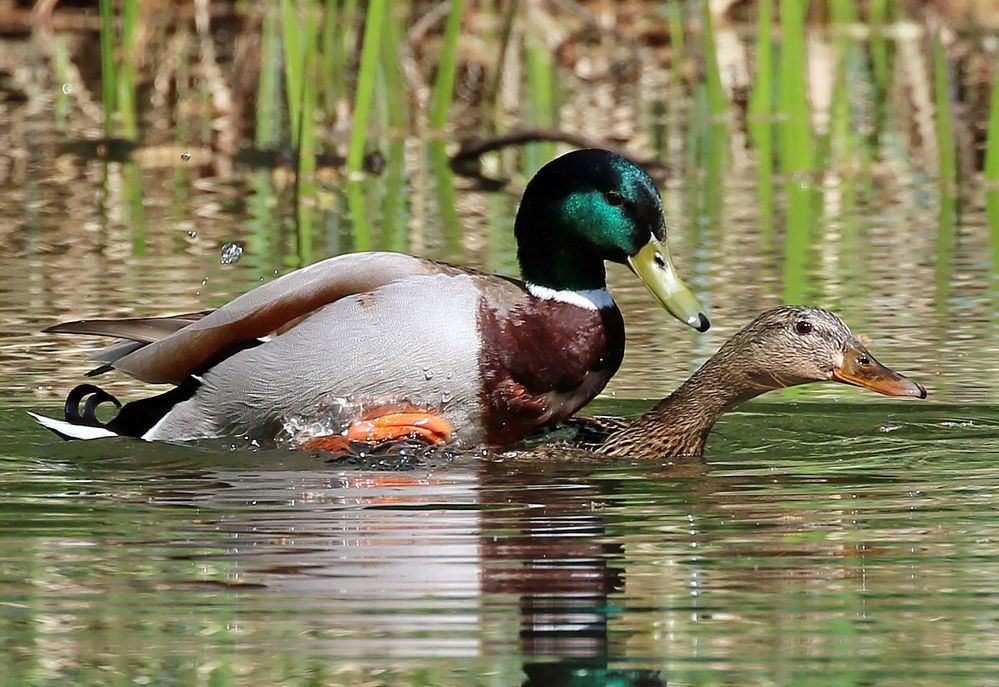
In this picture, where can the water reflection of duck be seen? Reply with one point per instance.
(783, 347)
(491, 357)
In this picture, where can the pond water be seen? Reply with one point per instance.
(828, 537)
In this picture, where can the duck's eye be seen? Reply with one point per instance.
(803, 327)
(660, 261)
(863, 360)
(614, 198)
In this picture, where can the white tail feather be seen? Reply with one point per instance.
(71, 431)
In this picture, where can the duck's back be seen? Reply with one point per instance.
(408, 343)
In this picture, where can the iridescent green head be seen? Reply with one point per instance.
(589, 206)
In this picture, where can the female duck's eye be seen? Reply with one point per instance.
(614, 198)
(863, 360)
(803, 327)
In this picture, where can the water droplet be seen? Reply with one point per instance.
(888, 427)
(445, 397)
(66, 89)
(192, 234)
(204, 281)
(185, 157)
(231, 252)
(428, 375)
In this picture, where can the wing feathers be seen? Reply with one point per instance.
(173, 348)
(141, 329)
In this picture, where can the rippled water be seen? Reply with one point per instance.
(811, 548)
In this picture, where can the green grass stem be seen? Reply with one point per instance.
(108, 75)
(126, 71)
(948, 173)
(761, 112)
(268, 110)
(944, 120)
(992, 140)
(447, 200)
(447, 67)
(357, 207)
(677, 41)
(540, 80)
(365, 83)
(717, 102)
(992, 173)
(796, 129)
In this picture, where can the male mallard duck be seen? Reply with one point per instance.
(392, 345)
(783, 347)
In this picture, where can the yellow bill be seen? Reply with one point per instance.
(654, 267)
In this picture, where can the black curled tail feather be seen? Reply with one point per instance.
(133, 419)
(92, 397)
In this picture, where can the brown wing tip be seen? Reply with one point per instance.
(66, 327)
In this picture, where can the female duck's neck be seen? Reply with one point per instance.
(679, 424)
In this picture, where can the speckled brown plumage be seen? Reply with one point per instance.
(783, 347)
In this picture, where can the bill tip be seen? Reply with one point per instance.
(699, 322)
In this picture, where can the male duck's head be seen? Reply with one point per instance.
(589, 206)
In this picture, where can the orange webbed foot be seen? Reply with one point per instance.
(394, 426)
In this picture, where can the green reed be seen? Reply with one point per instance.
(392, 220)
(447, 200)
(268, 111)
(118, 72)
(717, 102)
(944, 119)
(795, 149)
(301, 60)
(126, 72)
(761, 113)
(992, 141)
(299, 41)
(366, 78)
(677, 40)
(948, 173)
(540, 83)
(992, 172)
(795, 131)
(357, 208)
(447, 67)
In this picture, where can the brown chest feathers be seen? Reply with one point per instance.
(542, 360)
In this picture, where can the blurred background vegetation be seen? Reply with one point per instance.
(839, 152)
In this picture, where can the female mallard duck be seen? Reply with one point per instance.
(390, 345)
(783, 347)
